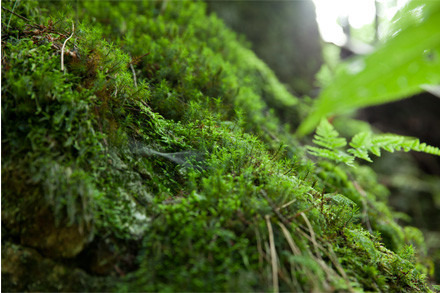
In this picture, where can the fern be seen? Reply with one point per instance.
(332, 146)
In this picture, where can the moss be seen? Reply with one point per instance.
(160, 151)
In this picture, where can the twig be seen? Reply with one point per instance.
(300, 213)
(64, 45)
(273, 256)
(113, 68)
(137, 59)
(296, 251)
(276, 153)
(19, 16)
(288, 171)
(271, 134)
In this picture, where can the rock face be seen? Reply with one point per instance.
(39, 231)
(158, 161)
(30, 217)
(24, 269)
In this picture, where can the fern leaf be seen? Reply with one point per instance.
(360, 153)
(423, 147)
(327, 136)
(361, 139)
(388, 142)
(362, 144)
(337, 156)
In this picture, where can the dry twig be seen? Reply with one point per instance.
(19, 16)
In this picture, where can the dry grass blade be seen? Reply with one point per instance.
(134, 75)
(259, 247)
(289, 239)
(64, 45)
(333, 258)
(10, 17)
(295, 250)
(312, 235)
(286, 204)
(273, 255)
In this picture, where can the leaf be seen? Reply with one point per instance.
(327, 136)
(396, 70)
(361, 139)
(332, 146)
(361, 153)
(337, 156)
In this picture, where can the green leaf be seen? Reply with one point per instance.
(361, 139)
(376, 150)
(398, 69)
(327, 136)
(336, 156)
(332, 146)
(361, 153)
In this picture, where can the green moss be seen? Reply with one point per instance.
(162, 151)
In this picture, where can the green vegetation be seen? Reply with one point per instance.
(162, 158)
(362, 144)
(404, 65)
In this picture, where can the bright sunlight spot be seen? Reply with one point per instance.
(331, 14)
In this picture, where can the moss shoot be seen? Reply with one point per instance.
(162, 158)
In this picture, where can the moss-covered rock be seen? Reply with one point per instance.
(24, 269)
(162, 159)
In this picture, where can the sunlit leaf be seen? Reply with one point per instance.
(396, 70)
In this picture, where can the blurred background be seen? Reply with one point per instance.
(303, 42)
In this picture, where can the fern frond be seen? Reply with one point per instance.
(423, 147)
(388, 142)
(337, 156)
(362, 144)
(365, 142)
(327, 136)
